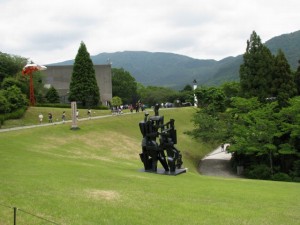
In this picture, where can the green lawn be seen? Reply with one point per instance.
(92, 176)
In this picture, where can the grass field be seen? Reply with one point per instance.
(92, 176)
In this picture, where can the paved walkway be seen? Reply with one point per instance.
(217, 163)
(55, 123)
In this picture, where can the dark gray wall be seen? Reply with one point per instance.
(60, 77)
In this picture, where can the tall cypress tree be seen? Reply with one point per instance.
(283, 85)
(83, 87)
(256, 71)
(297, 78)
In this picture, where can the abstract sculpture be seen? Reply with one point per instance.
(165, 152)
(28, 70)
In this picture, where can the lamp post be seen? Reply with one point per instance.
(195, 97)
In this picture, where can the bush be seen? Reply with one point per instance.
(281, 177)
(262, 172)
(17, 114)
(296, 167)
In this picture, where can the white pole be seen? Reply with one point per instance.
(195, 97)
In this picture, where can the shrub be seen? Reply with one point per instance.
(261, 171)
(281, 177)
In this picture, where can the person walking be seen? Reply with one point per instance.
(63, 117)
(77, 114)
(89, 112)
(41, 118)
(50, 117)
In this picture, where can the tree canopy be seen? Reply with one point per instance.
(83, 86)
(256, 71)
(124, 86)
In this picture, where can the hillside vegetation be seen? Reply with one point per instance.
(175, 71)
(93, 176)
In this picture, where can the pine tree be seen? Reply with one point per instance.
(283, 85)
(297, 78)
(83, 86)
(255, 72)
(52, 95)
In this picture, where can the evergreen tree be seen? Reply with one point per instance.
(83, 86)
(283, 85)
(52, 95)
(297, 78)
(255, 72)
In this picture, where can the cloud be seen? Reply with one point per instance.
(51, 31)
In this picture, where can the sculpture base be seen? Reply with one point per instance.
(163, 172)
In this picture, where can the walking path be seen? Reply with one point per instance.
(217, 163)
(55, 123)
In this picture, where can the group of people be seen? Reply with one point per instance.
(63, 116)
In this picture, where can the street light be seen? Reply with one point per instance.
(195, 97)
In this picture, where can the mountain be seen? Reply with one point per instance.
(175, 71)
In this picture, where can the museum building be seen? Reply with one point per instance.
(60, 77)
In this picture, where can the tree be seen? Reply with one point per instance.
(15, 98)
(4, 104)
(52, 95)
(116, 101)
(231, 89)
(211, 99)
(10, 65)
(256, 71)
(187, 87)
(83, 87)
(152, 95)
(124, 85)
(297, 78)
(10, 81)
(283, 86)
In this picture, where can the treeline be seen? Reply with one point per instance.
(14, 88)
(258, 117)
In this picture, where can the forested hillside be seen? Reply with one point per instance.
(175, 71)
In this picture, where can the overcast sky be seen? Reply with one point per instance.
(48, 31)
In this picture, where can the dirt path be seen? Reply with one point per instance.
(217, 163)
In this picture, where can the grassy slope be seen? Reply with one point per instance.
(91, 176)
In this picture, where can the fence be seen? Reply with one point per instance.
(15, 209)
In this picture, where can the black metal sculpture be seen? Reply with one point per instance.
(152, 152)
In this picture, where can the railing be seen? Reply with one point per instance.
(15, 209)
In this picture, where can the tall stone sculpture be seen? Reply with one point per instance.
(164, 151)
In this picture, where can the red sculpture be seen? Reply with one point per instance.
(28, 70)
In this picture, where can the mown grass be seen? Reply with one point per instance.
(92, 176)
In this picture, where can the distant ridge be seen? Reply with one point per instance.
(175, 71)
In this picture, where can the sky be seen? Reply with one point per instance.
(49, 31)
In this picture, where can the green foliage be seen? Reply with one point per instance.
(283, 85)
(10, 65)
(211, 99)
(9, 82)
(208, 128)
(116, 101)
(52, 95)
(124, 86)
(17, 114)
(83, 86)
(256, 70)
(281, 177)
(187, 88)
(297, 78)
(151, 95)
(15, 98)
(231, 89)
(4, 104)
(261, 172)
